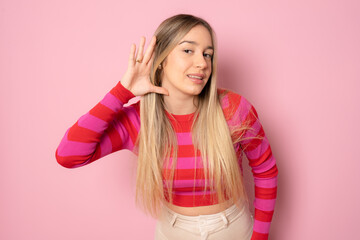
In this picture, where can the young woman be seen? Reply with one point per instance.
(189, 137)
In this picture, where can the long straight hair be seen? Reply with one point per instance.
(210, 132)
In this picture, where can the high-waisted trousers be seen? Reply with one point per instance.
(232, 223)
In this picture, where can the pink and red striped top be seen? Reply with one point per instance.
(110, 126)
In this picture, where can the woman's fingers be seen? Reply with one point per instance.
(139, 54)
(150, 62)
(149, 51)
(137, 75)
(132, 55)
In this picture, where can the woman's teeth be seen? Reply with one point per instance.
(197, 77)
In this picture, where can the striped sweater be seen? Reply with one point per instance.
(110, 126)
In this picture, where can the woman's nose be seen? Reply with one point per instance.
(200, 61)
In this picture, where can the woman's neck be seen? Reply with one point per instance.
(180, 105)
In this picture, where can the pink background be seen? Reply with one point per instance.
(298, 62)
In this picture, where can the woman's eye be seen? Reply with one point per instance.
(207, 55)
(187, 50)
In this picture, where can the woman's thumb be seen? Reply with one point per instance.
(160, 90)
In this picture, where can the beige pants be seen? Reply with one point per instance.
(233, 223)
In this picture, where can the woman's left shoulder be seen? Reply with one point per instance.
(228, 97)
(234, 103)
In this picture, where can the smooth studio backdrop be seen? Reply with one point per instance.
(298, 62)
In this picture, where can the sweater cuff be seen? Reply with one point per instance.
(122, 93)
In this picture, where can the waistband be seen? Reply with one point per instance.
(204, 224)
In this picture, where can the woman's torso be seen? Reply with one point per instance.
(201, 210)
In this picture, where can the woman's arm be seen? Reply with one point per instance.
(110, 126)
(106, 128)
(258, 152)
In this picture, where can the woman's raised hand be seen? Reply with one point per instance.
(137, 76)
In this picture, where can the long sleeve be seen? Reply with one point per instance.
(106, 128)
(258, 152)
(239, 111)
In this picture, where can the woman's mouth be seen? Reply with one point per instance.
(198, 78)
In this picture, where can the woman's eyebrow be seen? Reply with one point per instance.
(195, 43)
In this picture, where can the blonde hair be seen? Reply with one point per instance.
(210, 132)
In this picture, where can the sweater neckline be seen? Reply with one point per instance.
(181, 117)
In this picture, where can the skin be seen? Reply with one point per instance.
(191, 56)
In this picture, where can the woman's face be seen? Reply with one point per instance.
(187, 68)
